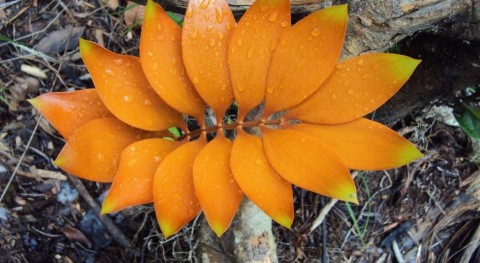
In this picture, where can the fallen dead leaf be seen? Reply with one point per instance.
(60, 41)
(76, 235)
(99, 36)
(112, 4)
(46, 174)
(34, 71)
(134, 15)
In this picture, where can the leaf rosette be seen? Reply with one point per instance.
(118, 132)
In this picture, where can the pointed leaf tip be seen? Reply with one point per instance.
(304, 161)
(84, 46)
(107, 207)
(364, 144)
(218, 228)
(338, 13)
(167, 229)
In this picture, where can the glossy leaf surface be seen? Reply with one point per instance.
(68, 111)
(133, 183)
(357, 87)
(259, 181)
(303, 160)
(251, 48)
(173, 190)
(123, 88)
(161, 57)
(217, 191)
(93, 152)
(206, 30)
(364, 144)
(305, 57)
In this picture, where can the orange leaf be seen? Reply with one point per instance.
(217, 191)
(304, 58)
(251, 47)
(356, 87)
(173, 190)
(303, 160)
(364, 144)
(260, 183)
(134, 179)
(161, 57)
(206, 31)
(123, 88)
(93, 152)
(68, 111)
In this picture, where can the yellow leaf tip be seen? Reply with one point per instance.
(149, 10)
(59, 162)
(218, 228)
(167, 229)
(338, 13)
(35, 102)
(285, 221)
(85, 46)
(409, 154)
(107, 207)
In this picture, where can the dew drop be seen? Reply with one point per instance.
(156, 159)
(223, 86)
(394, 82)
(270, 90)
(159, 27)
(118, 61)
(101, 156)
(240, 87)
(147, 102)
(315, 32)
(81, 115)
(154, 66)
(220, 35)
(284, 24)
(109, 72)
(250, 52)
(259, 162)
(211, 42)
(195, 80)
(350, 92)
(334, 96)
(193, 34)
(150, 53)
(127, 98)
(204, 4)
(189, 13)
(209, 28)
(273, 17)
(263, 8)
(360, 62)
(219, 15)
(228, 26)
(302, 140)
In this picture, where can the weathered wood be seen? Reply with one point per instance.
(378, 25)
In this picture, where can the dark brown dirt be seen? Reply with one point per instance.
(425, 205)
